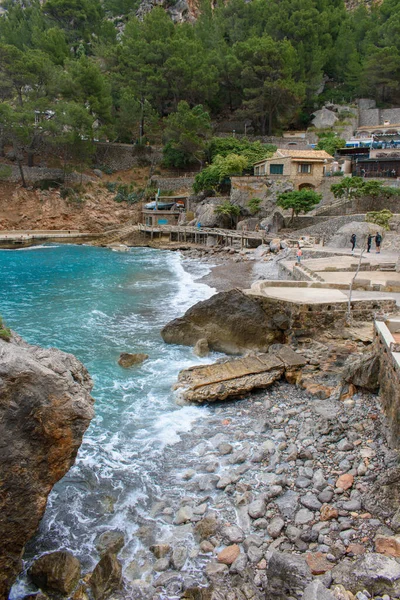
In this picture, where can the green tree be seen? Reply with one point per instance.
(228, 210)
(381, 75)
(267, 77)
(79, 19)
(84, 82)
(30, 74)
(299, 201)
(186, 134)
(349, 188)
(330, 143)
(70, 133)
(252, 151)
(219, 171)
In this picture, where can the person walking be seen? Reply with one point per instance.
(369, 242)
(353, 241)
(378, 242)
(299, 253)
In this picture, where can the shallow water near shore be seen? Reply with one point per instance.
(95, 304)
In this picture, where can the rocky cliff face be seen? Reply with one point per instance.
(45, 408)
(188, 10)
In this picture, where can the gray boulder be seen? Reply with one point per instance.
(377, 573)
(383, 496)
(360, 228)
(45, 409)
(288, 576)
(126, 359)
(231, 321)
(317, 591)
(273, 223)
(106, 577)
(57, 572)
(364, 371)
(324, 118)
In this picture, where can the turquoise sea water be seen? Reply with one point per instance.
(96, 303)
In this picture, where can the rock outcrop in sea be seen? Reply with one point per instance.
(45, 408)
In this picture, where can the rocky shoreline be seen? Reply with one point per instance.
(276, 496)
(286, 494)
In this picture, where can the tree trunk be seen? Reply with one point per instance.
(19, 93)
(19, 163)
(270, 123)
(21, 172)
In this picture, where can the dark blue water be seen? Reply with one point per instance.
(96, 303)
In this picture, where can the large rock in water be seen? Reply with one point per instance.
(45, 408)
(232, 322)
(208, 383)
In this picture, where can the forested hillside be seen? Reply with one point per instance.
(71, 70)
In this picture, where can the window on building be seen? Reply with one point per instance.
(304, 168)
(276, 169)
(256, 170)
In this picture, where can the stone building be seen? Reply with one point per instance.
(304, 168)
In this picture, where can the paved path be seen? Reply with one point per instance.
(305, 295)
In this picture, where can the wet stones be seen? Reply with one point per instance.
(110, 541)
(229, 554)
(106, 577)
(127, 359)
(56, 572)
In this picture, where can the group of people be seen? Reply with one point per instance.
(378, 242)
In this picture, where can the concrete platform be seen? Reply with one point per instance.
(301, 295)
(375, 277)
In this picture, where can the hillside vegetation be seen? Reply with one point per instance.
(71, 70)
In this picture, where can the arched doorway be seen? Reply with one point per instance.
(306, 186)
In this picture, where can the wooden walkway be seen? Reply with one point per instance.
(205, 235)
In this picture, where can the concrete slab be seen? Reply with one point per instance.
(305, 295)
(380, 277)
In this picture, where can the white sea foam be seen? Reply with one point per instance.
(168, 426)
(38, 247)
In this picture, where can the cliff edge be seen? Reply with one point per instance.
(45, 408)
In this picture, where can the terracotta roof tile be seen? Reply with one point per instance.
(281, 152)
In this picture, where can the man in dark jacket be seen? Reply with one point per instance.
(353, 240)
(378, 242)
(369, 241)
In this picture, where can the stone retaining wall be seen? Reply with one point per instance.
(122, 157)
(389, 376)
(34, 174)
(308, 319)
(173, 184)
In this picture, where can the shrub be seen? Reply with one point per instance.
(381, 217)
(5, 171)
(47, 184)
(125, 193)
(111, 186)
(254, 205)
(5, 332)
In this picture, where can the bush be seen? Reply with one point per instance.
(47, 184)
(66, 192)
(254, 205)
(111, 186)
(381, 217)
(5, 171)
(125, 193)
(5, 332)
